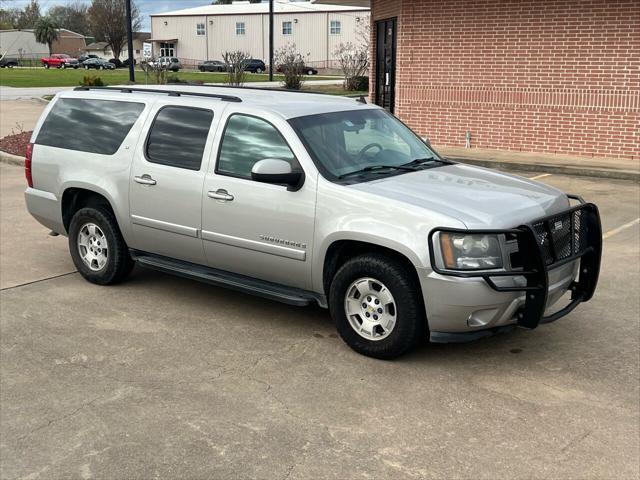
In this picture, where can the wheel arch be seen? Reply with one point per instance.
(76, 197)
(340, 250)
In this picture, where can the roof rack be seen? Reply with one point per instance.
(171, 93)
(358, 97)
(263, 89)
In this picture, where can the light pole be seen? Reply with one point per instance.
(132, 74)
(271, 40)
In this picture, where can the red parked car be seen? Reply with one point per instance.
(60, 60)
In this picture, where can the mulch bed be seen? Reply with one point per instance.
(15, 144)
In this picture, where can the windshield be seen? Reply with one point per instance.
(346, 143)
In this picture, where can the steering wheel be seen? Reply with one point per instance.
(367, 148)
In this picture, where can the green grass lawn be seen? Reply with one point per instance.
(39, 77)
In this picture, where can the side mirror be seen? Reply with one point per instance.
(272, 170)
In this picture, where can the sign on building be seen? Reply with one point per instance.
(146, 50)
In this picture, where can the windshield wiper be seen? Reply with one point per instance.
(420, 161)
(373, 168)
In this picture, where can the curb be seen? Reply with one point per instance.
(11, 159)
(557, 169)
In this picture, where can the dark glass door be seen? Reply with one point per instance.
(386, 63)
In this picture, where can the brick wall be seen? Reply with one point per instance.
(555, 76)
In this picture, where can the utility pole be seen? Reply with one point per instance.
(271, 40)
(132, 74)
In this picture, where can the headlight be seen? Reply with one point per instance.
(470, 252)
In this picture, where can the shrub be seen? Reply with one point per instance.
(360, 83)
(354, 62)
(175, 79)
(235, 63)
(92, 81)
(292, 65)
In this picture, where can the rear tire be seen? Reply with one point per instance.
(90, 229)
(393, 299)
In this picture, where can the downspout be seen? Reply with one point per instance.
(206, 34)
(326, 37)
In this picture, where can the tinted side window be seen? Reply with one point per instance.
(95, 126)
(178, 136)
(247, 140)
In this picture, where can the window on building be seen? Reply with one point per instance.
(240, 30)
(287, 28)
(200, 29)
(95, 126)
(167, 49)
(247, 140)
(336, 27)
(178, 137)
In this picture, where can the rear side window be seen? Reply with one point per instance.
(178, 136)
(95, 126)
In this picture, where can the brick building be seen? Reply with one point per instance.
(554, 76)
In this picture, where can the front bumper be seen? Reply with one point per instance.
(559, 253)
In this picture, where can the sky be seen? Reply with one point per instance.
(146, 7)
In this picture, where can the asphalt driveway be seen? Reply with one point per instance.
(166, 377)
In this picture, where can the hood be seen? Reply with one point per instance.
(478, 197)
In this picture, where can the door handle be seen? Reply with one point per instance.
(220, 194)
(145, 180)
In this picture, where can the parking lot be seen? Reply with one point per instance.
(166, 377)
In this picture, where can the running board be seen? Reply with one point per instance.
(233, 281)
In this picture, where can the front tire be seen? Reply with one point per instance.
(97, 248)
(46, 66)
(377, 306)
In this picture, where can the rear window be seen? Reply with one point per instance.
(95, 126)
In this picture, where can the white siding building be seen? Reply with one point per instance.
(204, 33)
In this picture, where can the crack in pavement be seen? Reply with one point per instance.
(38, 281)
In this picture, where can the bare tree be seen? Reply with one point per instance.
(30, 15)
(108, 21)
(72, 17)
(354, 62)
(235, 63)
(156, 69)
(292, 64)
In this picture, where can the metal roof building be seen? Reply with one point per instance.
(205, 33)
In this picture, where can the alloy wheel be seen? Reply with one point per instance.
(93, 247)
(370, 309)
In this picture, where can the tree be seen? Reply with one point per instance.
(292, 64)
(29, 16)
(354, 62)
(108, 21)
(235, 63)
(72, 17)
(46, 31)
(9, 18)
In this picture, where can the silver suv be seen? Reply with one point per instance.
(306, 198)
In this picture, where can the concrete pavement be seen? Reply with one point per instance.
(26, 93)
(162, 377)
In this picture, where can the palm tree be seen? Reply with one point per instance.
(46, 31)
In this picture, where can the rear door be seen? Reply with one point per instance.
(167, 178)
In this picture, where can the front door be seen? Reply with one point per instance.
(257, 229)
(386, 63)
(166, 181)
